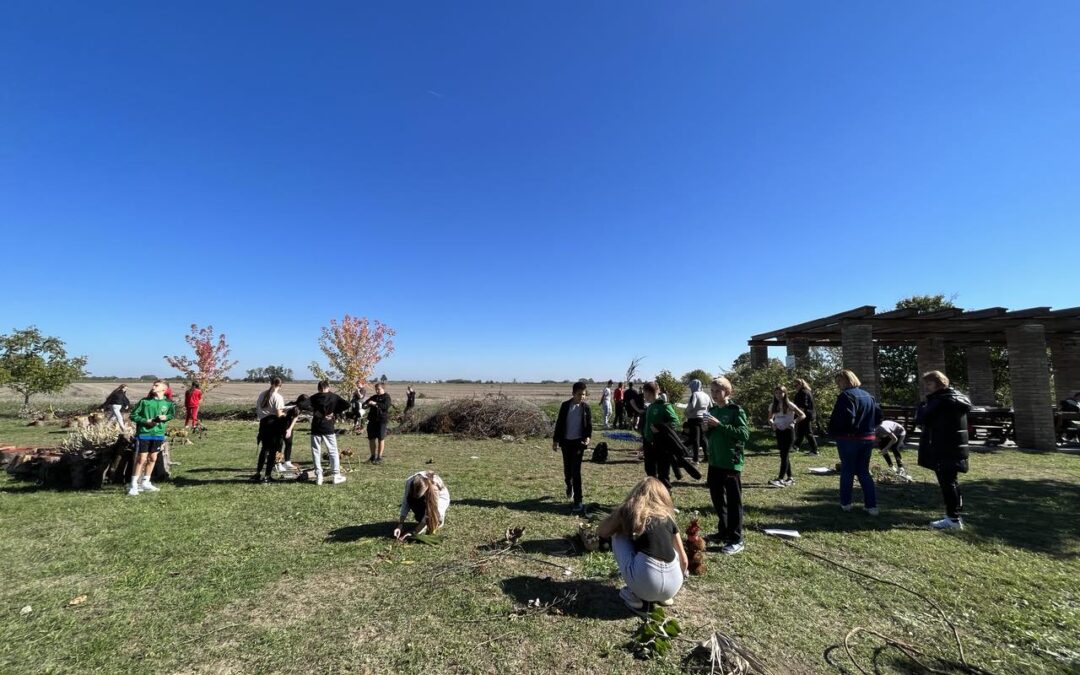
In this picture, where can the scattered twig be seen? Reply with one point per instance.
(498, 637)
(208, 634)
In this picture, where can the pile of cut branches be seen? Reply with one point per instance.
(492, 416)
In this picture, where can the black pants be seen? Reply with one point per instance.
(696, 427)
(725, 489)
(950, 490)
(784, 438)
(895, 451)
(658, 464)
(620, 414)
(268, 453)
(288, 448)
(804, 430)
(572, 454)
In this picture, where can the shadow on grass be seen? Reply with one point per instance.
(382, 530)
(586, 599)
(209, 469)
(1037, 514)
(559, 547)
(183, 481)
(543, 504)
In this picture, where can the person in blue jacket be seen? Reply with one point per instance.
(852, 423)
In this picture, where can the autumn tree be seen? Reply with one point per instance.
(211, 360)
(352, 349)
(32, 363)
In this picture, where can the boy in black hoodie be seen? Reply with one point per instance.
(326, 406)
(573, 431)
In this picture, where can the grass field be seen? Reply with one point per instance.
(217, 575)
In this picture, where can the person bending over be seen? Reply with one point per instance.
(646, 544)
(428, 498)
(890, 438)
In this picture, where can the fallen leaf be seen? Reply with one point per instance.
(407, 562)
(26, 610)
(78, 600)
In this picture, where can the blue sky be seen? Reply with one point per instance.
(526, 190)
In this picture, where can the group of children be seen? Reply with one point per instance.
(277, 419)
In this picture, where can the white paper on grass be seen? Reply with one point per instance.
(820, 470)
(786, 534)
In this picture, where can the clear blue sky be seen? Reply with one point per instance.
(530, 190)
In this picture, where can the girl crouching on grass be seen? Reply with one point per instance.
(427, 496)
(645, 541)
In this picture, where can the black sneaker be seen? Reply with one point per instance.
(255, 479)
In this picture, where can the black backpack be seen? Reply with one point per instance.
(599, 453)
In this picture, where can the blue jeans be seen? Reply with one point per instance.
(855, 461)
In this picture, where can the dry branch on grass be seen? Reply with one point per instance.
(492, 416)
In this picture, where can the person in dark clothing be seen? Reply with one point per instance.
(655, 447)
(272, 440)
(573, 431)
(378, 417)
(804, 430)
(852, 423)
(943, 442)
(620, 406)
(304, 406)
(116, 403)
(635, 408)
(410, 400)
(326, 406)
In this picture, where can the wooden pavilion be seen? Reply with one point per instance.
(1026, 333)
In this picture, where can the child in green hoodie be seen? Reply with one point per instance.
(727, 432)
(150, 417)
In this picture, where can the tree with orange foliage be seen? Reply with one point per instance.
(352, 348)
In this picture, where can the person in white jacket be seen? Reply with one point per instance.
(428, 498)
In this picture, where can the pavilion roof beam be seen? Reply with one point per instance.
(858, 312)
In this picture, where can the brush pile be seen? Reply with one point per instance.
(492, 416)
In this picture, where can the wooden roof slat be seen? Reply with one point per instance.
(947, 313)
(1025, 313)
(1071, 312)
(987, 313)
(858, 312)
(896, 314)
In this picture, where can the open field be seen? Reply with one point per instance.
(217, 575)
(89, 393)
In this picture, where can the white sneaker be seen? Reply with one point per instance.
(629, 599)
(279, 467)
(147, 486)
(290, 466)
(845, 507)
(732, 549)
(338, 479)
(776, 482)
(873, 511)
(318, 479)
(948, 524)
(133, 491)
(667, 603)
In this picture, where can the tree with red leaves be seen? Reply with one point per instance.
(352, 348)
(211, 360)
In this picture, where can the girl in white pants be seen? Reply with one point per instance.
(646, 544)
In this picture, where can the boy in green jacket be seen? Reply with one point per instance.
(150, 416)
(657, 412)
(727, 432)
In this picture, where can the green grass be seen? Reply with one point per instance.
(216, 575)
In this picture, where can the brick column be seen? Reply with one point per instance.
(1065, 350)
(980, 375)
(1029, 374)
(759, 356)
(799, 348)
(930, 355)
(857, 340)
